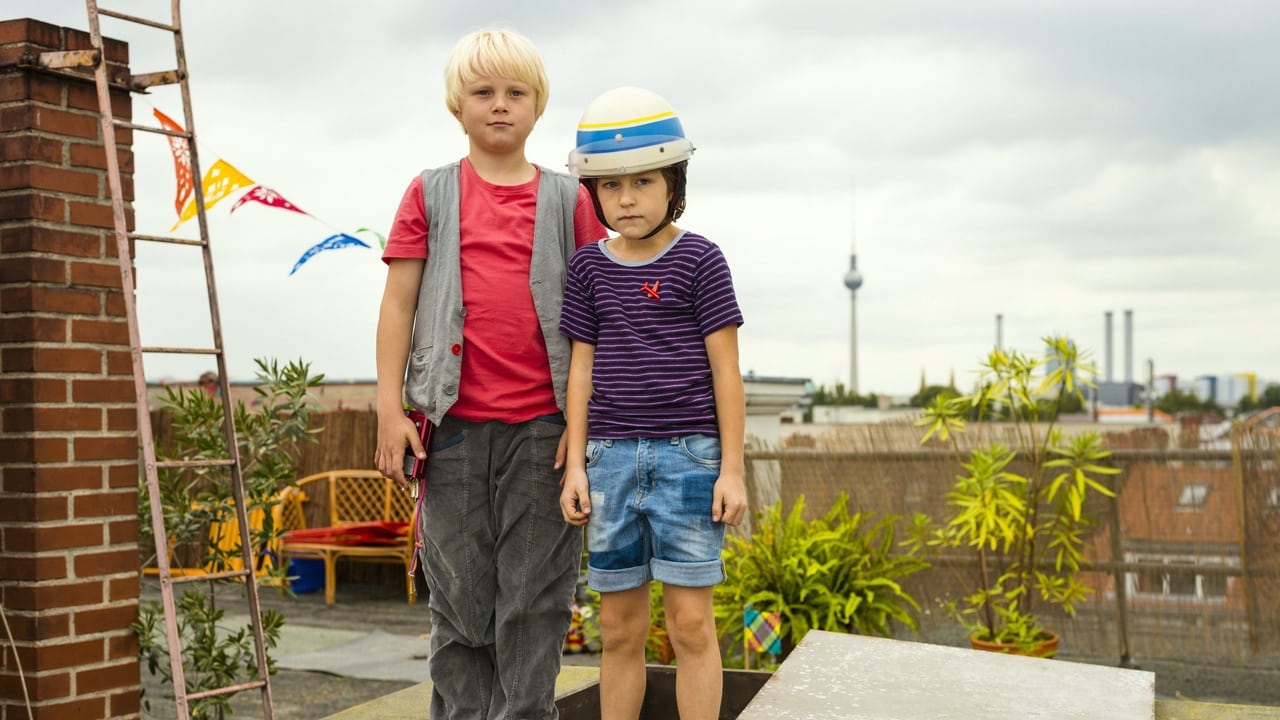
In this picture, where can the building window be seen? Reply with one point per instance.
(1182, 580)
(1193, 496)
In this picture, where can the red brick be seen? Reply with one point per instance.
(40, 626)
(122, 420)
(123, 645)
(70, 654)
(103, 274)
(95, 156)
(19, 390)
(33, 328)
(115, 390)
(111, 562)
(85, 97)
(33, 206)
(35, 32)
(91, 214)
(98, 620)
(105, 448)
(43, 538)
(127, 703)
(32, 269)
(79, 707)
(109, 677)
(102, 332)
(125, 588)
(115, 51)
(52, 179)
(35, 298)
(40, 686)
(114, 306)
(30, 238)
(33, 568)
(28, 450)
(119, 362)
(66, 479)
(73, 418)
(32, 148)
(126, 475)
(33, 508)
(63, 122)
(49, 360)
(46, 89)
(45, 597)
(124, 531)
(102, 504)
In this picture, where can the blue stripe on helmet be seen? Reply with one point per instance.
(652, 133)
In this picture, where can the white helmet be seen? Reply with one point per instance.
(628, 130)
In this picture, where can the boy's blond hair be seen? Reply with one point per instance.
(496, 54)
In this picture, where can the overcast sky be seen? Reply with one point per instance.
(1048, 161)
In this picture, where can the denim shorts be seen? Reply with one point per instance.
(651, 512)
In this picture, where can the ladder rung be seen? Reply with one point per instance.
(151, 129)
(219, 462)
(182, 351)
(136, 19)
(62, 59)
(166, 239)
(177, 579)
(146, 80)
(225, 690)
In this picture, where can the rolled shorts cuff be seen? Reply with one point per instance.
(617, 580)
(689, 574)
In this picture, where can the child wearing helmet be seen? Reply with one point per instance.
(468, 335)
(655, 406)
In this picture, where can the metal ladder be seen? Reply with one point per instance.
(96, 58)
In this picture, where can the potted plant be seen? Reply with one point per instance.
(839, 573)
(1021, 509)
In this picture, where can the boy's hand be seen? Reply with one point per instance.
(729, 501)
(395, 433)
(575, 498)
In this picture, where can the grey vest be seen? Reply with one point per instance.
(434, 368)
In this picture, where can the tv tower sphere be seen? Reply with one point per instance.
(853, 278)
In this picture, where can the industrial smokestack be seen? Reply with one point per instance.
(1128, 346)
(1106, 347)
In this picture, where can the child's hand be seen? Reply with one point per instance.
(575, 498)
(729, 501)
(395, 434)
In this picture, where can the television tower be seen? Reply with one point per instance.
(853, 281)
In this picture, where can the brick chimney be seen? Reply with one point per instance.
(68, 430)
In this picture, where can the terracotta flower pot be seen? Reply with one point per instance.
(1047, 647)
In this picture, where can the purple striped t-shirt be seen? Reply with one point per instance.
(648, 321)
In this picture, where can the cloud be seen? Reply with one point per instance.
(1046, 162)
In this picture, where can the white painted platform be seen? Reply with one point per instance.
(832, 676)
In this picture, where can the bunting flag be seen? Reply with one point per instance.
(221, 180)
(382, 239)
(270, 198)
(333, 242)
(181, 161)
(763, 630)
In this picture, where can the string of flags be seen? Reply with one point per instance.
(222, 180)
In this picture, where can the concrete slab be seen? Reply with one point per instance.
(833, 676)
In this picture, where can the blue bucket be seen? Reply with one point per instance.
(306, 575)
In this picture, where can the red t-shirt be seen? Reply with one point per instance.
(505, 372)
